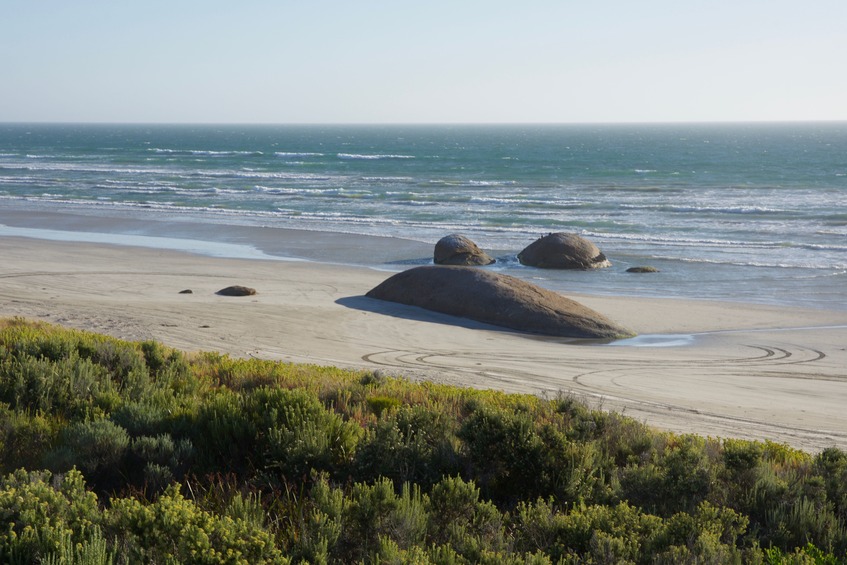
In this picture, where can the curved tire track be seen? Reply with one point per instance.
(625, 383)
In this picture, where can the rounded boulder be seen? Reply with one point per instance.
(563, 251)
(457, 249)
(496, 299)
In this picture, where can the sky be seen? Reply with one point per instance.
(439, 61)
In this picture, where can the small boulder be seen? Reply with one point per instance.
(644, 269)
(563, 251)
(186, 291)
(496, 299)
(237, 290)
(457, 249)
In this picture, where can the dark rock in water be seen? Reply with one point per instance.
(186, 291)
(645, 269)
(457, 249)
(237, 291)
(496, 299)
(563, 251)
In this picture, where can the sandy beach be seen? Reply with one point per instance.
(718, 369)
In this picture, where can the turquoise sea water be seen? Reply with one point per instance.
(753, 212)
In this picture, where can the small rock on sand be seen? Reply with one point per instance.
(237, 290)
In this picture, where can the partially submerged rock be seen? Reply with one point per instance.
(644, 269)
(563, 251)
(457, 249)
(496, 299)
(237, 290)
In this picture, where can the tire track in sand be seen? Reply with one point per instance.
(626, 383)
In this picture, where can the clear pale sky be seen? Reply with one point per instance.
(455, 61)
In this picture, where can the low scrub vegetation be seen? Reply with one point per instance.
(119, 452)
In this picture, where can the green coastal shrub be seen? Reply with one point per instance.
(508, 452)
(302, 434)
(374, 513)
(96, 447)
(79, 374)
(831, 464)
(319, 523)
(154, 462)
(379, 404)
(676, 479)
(41, 516)
(803, 522)
(625, 441)
(145, 417)
(610, 534)
(162, 450)
(463, 521)
(289, 431)
(72, 386)
(24, 438)
(247, 508)
(504, 452)
(174, 530)
(264, 461)
(228, 435)
(708, 535)
(92, 551)
(410, 445)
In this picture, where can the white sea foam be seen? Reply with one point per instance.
(207, 152)
(526, 202)
(312, 191)
(838, 232)
(70, 167)
(387, 179)
(297, 154)
(20, 179)
(491, 183)
(372, 157)
(699, 209)
(271, 175)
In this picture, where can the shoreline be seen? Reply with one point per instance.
(738, 370)
(228, 237)
(202, 236)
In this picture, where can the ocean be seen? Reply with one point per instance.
(741, 212)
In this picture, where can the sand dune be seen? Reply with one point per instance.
(709, 368)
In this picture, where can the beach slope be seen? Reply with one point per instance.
(709, 368)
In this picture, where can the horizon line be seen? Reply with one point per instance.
(436, 124)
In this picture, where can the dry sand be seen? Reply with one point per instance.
(718, 369)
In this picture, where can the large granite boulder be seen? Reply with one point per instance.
(457, 249)
(496, 299)
(563, 251)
